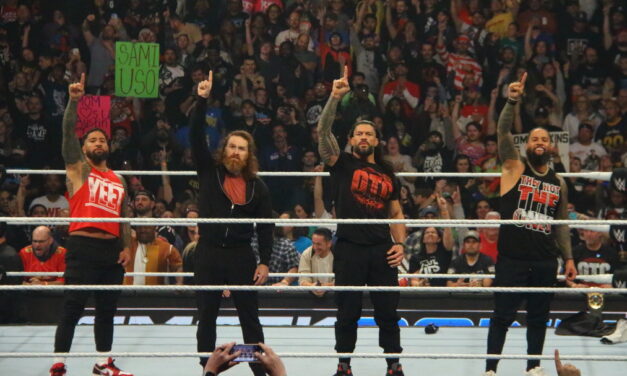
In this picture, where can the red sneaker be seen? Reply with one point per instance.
(109, 369)
(57, 369)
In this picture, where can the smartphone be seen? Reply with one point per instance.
(248, 352)
(114, 15)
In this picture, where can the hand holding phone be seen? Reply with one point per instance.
(247, 352)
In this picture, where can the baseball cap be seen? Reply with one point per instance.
(472, 234)
(430, 209)
(586, 125)
(541, 112)
(144, 192)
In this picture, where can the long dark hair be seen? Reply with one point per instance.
(378, 150)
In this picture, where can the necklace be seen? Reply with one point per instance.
(144, 253)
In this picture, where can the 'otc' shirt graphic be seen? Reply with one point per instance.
(534, 197)
(364, 191)
(601, 261)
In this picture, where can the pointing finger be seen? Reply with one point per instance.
(345, 72)
(211, 76)
(83, 79)
(558, 362)
(523, 78)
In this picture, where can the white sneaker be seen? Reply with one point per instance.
(488, 373)
(618, 336)
(537, 371)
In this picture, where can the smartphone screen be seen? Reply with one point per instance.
(248, 352)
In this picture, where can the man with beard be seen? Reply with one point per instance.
(229, 188)
(432, 156)
(528, 252)
(364, 254)
(96, 251)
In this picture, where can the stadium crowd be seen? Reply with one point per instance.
(431, 74)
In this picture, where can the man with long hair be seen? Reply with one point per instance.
(530, 190)
(96, 251)
(229, 188)
(364, 254)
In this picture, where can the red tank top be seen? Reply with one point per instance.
(102, 195)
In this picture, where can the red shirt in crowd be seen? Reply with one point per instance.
(55, 263)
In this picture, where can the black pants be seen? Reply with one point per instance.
(359, 265)
(217, 266)
(520, 273)
(90, 261)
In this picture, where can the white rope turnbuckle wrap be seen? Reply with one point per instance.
(606, 358)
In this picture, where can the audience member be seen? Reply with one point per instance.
(43, 255)
(150, 253)
(317, 259)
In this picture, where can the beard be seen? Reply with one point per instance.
(363, 152)
(97, 157)
(234, 165)
(537, 160)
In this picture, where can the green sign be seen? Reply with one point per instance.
(136, 70)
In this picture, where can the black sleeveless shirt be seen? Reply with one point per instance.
(533, 197)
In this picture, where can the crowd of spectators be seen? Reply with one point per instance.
(431, 74)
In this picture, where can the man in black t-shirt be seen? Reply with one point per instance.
(364, 254)
(471, 262)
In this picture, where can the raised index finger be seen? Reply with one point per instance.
(83, 79)
(523, 78)
(558, 362)
(345, 72)
(210, 76)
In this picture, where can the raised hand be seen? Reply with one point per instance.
(341, 85)
(566, 369)
(77, 89)
(516, 89)
(204, 87)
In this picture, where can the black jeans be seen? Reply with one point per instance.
(217, 266)
(521, 273)
(90, 261)
(360, 265)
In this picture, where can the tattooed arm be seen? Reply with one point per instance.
(513, 166)
(327, 147)
(77, 169)
(562, 233)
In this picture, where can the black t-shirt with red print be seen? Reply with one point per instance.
(364, 190)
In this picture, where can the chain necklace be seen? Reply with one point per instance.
(144, 252)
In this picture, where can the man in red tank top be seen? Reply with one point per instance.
(96, 251)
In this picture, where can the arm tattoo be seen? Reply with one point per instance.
(562, 232)
(125, 228)
(507, 149)
(70, 148)
(327, 145)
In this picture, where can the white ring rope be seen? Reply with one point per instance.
(598, 278)
(561, 290)
(317, 221)
(586, 175)
(605, 358)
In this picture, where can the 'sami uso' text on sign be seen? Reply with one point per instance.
(136, 69)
